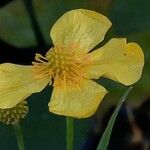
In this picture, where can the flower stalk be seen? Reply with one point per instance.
(69, 133)
(19, 135)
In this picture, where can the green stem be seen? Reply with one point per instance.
(19, 136)
(34, 23)
(69, 133)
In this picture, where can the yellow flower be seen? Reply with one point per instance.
(70, 66)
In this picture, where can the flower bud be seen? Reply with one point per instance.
(14, 114)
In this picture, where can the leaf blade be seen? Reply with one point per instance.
(103, 144)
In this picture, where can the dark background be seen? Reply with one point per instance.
(24, 31)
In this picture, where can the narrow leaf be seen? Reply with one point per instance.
(103, 144)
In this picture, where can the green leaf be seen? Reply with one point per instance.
(15, 26)
(15, 23)
(107, 133)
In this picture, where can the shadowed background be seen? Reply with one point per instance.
(24, 31)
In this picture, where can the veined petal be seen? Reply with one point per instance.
(118, 61)
(78, 102)
(80, 28)
(17, 82)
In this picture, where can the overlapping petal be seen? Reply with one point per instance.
(78, 102)
(18, 82)
(80, 28)
(118, 61)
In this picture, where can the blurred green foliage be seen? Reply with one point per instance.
(42, 130)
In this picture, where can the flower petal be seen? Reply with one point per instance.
(80, 28)
(78, 102)
(17, 83)
(118, 61)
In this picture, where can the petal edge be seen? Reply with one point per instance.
(17, 83)
(77, 102)
(85, 28)
(118, 61)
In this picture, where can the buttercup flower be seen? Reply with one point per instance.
(69, 66)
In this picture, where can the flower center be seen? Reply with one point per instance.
(59, 61)
(61, 65)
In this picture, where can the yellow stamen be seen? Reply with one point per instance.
(62, 65)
